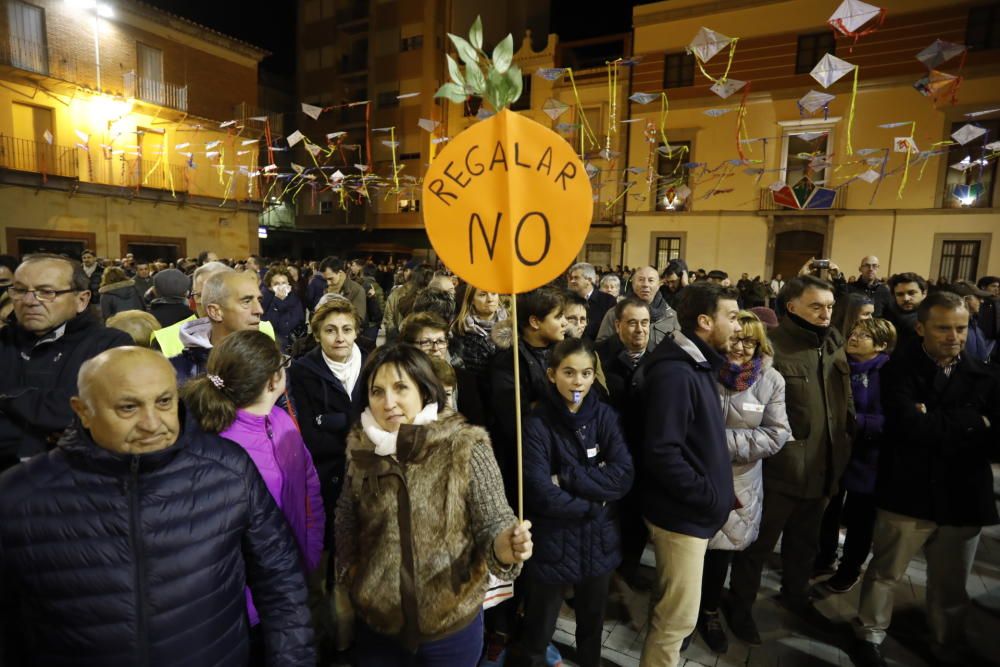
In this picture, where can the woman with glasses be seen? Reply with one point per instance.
(236, 398)
(429, 332)
(868, 349)
(753, 404)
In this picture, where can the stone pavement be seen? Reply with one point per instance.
(790, 642)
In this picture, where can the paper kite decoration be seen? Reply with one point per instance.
(814, 100)
(805, 195)
(428, 124)
(830, 69)
(726, 87)
(707, 43)
(869, 176)
(939, 53)
(643, 98)
(550, 73)
(967, 133)
(553, 108)
(852, 15)
(715, 113)
(311, 110)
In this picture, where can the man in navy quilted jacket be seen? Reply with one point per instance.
(131, 544)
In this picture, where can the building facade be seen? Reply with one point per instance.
(730, 221)
(126, 129)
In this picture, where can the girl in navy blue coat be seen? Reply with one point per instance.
(576, 466)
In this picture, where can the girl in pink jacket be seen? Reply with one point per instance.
(237, 399)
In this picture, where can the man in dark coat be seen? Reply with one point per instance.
(582, 279)
(800, 479)
(935, 486)
(42, 351)
(94, 272)
(908, 290)
(133, 542)
(867, 284)
(687, 479)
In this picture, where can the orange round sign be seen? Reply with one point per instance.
(507, 204)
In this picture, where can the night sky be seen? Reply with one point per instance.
(273, 26)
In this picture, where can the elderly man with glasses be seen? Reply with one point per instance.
(42, 351)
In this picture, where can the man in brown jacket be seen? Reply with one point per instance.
(801, 478)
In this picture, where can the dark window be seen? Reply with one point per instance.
(409, 156)
(811, 50)
(973, 185)
(667, 248)
(388, 99)
(472, 105)
(983, 29)
(411, 43)
(523, 103)
(325, 207)
(678, 70)
(959, 260)
(671, 175)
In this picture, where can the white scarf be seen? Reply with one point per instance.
(348, 371)
(385, 441)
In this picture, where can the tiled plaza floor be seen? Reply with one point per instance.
(789, 642)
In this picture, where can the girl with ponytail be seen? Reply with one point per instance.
(236, 398)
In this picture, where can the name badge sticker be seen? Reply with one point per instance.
(591, 453)
(753, 407)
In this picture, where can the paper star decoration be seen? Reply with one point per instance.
(869, 176)
(830, 69)
(707, 43)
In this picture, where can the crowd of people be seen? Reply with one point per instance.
(232, 462)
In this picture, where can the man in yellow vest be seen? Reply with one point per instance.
(168, 339)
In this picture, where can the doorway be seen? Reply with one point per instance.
(22, 241)
(152, 248)
(792, 249)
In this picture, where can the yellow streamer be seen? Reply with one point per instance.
(729, 65)
(585, 126)
(850, 114)
(906, 165)
(664, 110)
(395, 172)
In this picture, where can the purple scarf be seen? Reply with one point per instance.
(740, 377)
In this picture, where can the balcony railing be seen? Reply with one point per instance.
(149, 174)
(249, 116)
(355, 12)
(39, 157)
(36, 57)
(350, 65)
(157, 92)
(609, 215)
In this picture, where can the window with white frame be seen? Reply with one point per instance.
(805, 146)
(27, 37)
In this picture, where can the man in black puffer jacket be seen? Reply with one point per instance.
(131, 544)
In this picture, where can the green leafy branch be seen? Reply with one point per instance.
(500, 84)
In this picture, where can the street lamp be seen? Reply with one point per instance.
(100, 10)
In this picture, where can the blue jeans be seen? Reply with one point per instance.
(461, 649)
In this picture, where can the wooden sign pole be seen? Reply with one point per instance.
(517, 410)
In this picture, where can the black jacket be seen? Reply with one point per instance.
(598, 305)
(170, 310)
(575, 525)
(37, 379)
(618, 371)
(878, 292)
(121, 296)
(935, 465)
(136, 561)
(906, 326)
(687, 484)
(325, 414)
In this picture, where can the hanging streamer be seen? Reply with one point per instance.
(850, 114)
(741, 123)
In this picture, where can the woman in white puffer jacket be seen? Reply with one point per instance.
(753, 404)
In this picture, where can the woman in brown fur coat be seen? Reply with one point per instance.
(421, 520)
